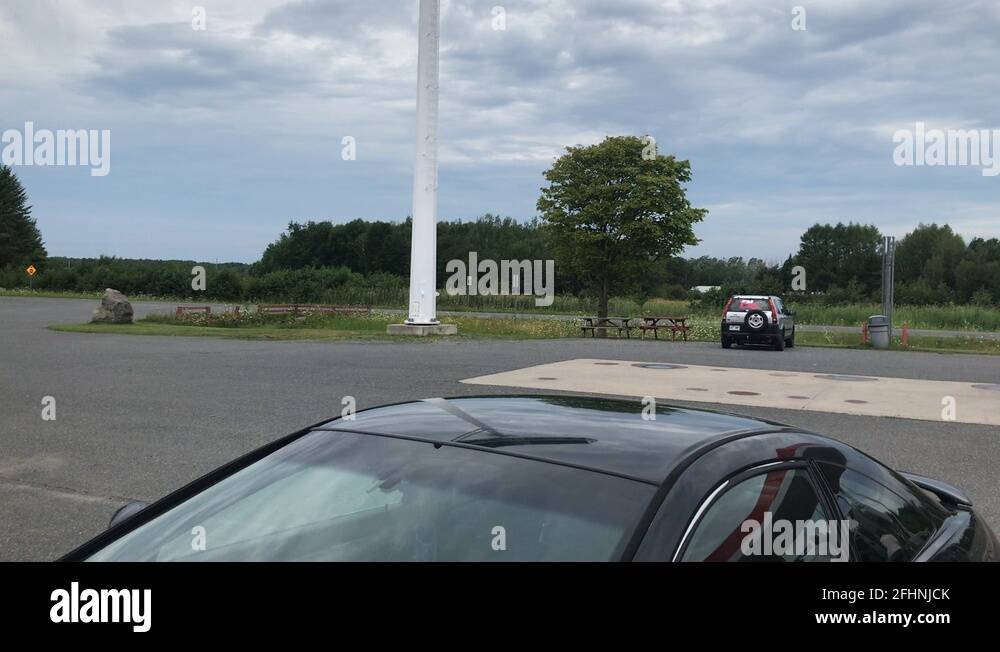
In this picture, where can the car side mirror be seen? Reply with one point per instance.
(790, 313)
(126, 512)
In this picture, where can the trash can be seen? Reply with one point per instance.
(878, 331)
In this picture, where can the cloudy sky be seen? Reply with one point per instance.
(221, 136)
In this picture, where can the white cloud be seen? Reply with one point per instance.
(782, 127)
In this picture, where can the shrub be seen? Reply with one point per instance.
(921, 293)
(983, 297)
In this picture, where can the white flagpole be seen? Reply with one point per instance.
(423, 248)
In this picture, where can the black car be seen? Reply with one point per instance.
(546, 478)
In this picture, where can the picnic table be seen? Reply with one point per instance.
(674, 324)
(620, 324)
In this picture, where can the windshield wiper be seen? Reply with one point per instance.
(510, 440)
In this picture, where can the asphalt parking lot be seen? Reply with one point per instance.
(138, 416)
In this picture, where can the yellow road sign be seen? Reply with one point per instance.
(31, 270)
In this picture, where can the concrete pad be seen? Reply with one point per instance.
(927, 400)
(422, 331)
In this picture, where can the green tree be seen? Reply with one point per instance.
(930, 253)
(20, 241)
(841, 255)
(977, 277)
(613, 213)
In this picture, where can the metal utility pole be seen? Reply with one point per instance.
(423, 247)
(888, 278)
(422, 314)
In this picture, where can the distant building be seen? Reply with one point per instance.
(702, 289)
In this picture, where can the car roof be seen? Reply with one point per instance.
(601, 434)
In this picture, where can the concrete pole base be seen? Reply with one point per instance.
(422, 330)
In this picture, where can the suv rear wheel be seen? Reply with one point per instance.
(755, 320)
(779, 345)
(726, 342)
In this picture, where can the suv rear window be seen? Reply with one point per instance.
(744, 305)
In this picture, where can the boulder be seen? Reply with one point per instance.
(115, 309)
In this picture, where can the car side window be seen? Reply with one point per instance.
(786, 495)
(887, 526)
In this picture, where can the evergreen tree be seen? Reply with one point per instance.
(20, 241)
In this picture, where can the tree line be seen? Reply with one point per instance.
(842, 264)
(934, 265)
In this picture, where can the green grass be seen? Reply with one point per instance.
(950, 317)
(148, 328)
(561, 305)
(328, 328)
(372, 328)
(48, 294)
(917, 343)
(963, 318)
(63, 294)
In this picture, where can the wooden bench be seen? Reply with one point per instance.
(296, 308)
(183, 310)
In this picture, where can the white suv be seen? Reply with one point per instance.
(757, 319)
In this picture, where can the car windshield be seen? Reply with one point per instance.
(348, 497)
(744, 305)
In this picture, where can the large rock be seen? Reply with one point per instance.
(115, 309)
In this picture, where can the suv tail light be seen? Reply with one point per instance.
(774, 312)
(725, 309)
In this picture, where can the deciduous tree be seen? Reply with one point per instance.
(614, 212)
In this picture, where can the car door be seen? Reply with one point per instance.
(784, 319)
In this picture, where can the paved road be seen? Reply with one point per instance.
(138, 416)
